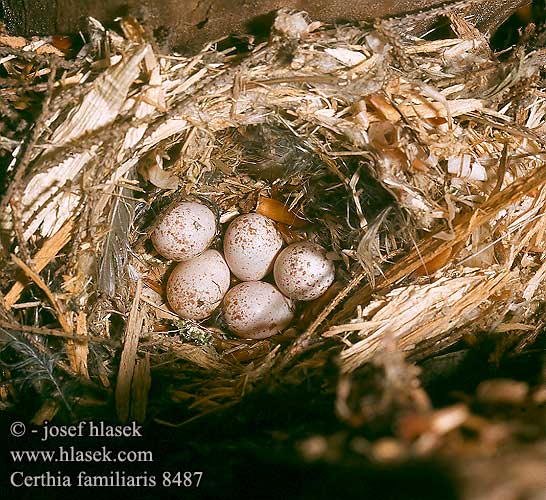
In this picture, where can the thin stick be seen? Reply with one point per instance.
(15, 204)
(28, 146)
(43, 257)
(41, 283)
(38, 330)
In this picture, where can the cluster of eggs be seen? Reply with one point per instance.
(252, 246)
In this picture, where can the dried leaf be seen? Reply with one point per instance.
(278, 211)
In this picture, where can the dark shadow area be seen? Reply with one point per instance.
(260, 26)
(460, 369)
(509, 33)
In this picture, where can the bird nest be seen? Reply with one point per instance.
(418, 161)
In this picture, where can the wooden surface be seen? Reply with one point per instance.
(188, 24)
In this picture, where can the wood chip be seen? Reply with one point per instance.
(135, 323)
(46, 412)
(78, 350)
(140, 388)
(43, 257)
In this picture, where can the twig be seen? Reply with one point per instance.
(38, 330)
(15, 204)
(28, 146)
(41, 283)
(503, 166)
(42, 258)
(27, 55)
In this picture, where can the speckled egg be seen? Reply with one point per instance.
(196, 287)
(303, 272)
(256, 310)
(185, 231)
(251, 244)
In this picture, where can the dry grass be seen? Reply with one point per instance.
(419, 162)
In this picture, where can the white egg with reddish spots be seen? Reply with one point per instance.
(251, 244)
(185, 231)
(256, 310)
(303, 272)
(196, 287)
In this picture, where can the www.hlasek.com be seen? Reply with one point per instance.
(73, 454)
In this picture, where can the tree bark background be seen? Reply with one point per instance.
(188, 24)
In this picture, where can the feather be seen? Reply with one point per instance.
(112, 275)
(32, 366)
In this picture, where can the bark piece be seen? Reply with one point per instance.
(198, 22)
(128, 357)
